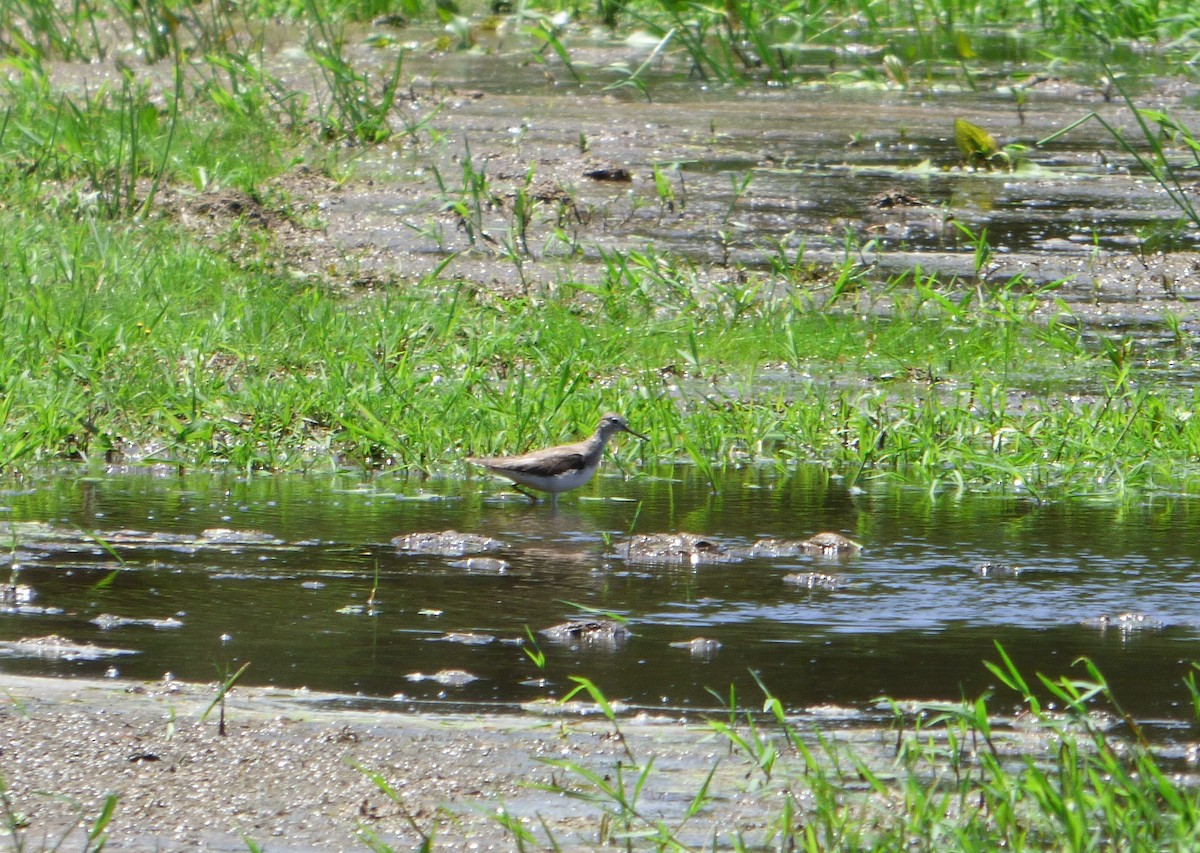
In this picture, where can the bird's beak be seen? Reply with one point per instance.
(638, 434)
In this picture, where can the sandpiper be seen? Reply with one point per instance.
(558, 469)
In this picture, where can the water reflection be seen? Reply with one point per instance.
(283, 572)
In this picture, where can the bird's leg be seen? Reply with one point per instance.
(525, 493)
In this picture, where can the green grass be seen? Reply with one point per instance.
(150, 341)
(741, 39)
(126, 333)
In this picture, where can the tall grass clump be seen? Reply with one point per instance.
(109, 152)
(356, 107)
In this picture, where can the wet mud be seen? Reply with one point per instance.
(294, 771)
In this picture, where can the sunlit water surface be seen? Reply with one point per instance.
(909, 617)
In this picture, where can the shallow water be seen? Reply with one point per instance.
(753, 177)
(909, 617)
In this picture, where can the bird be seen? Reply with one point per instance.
(561, 468)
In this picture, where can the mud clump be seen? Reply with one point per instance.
(989, 569)
(603, 633)
(54, 646)
(675, 548)
(690, 549)
(447, 543)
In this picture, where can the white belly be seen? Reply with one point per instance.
(555, 484)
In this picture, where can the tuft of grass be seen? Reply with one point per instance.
(16, 825)
(371, 838)
(1169, 152)
(227, 684)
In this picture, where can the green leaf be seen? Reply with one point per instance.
(974, 143)
(962, 45)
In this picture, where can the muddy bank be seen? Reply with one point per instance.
(517, 192)
(287, 773)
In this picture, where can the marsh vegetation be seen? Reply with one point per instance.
(949, 245)
(171, 279)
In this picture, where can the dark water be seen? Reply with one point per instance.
(910, 619)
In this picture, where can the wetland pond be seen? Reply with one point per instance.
(146, 573)
(299, 576)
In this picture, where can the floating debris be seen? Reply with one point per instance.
(18, 598)
(988, 569)
(225, 536)
(690, 549)
(489, 565)
(448, 543)
(250, 576)
(1127, 623)
(446, 677)
(15, 595)
(813, 580)
(32, 610)
(592, 632)
(834, 712)
(895, 198)
(466, 638)
(824, 544)
(24, 530)
(677, 548)
(830, 543)
(312, 585)
(60, 648)
(367, 609)
(774, 548)
(56, 539)
(429, 611)
(700, 647)
(615, 174)
(107, 621)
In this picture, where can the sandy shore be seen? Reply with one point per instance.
(291, 775)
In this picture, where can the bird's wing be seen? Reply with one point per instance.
(546, 466)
